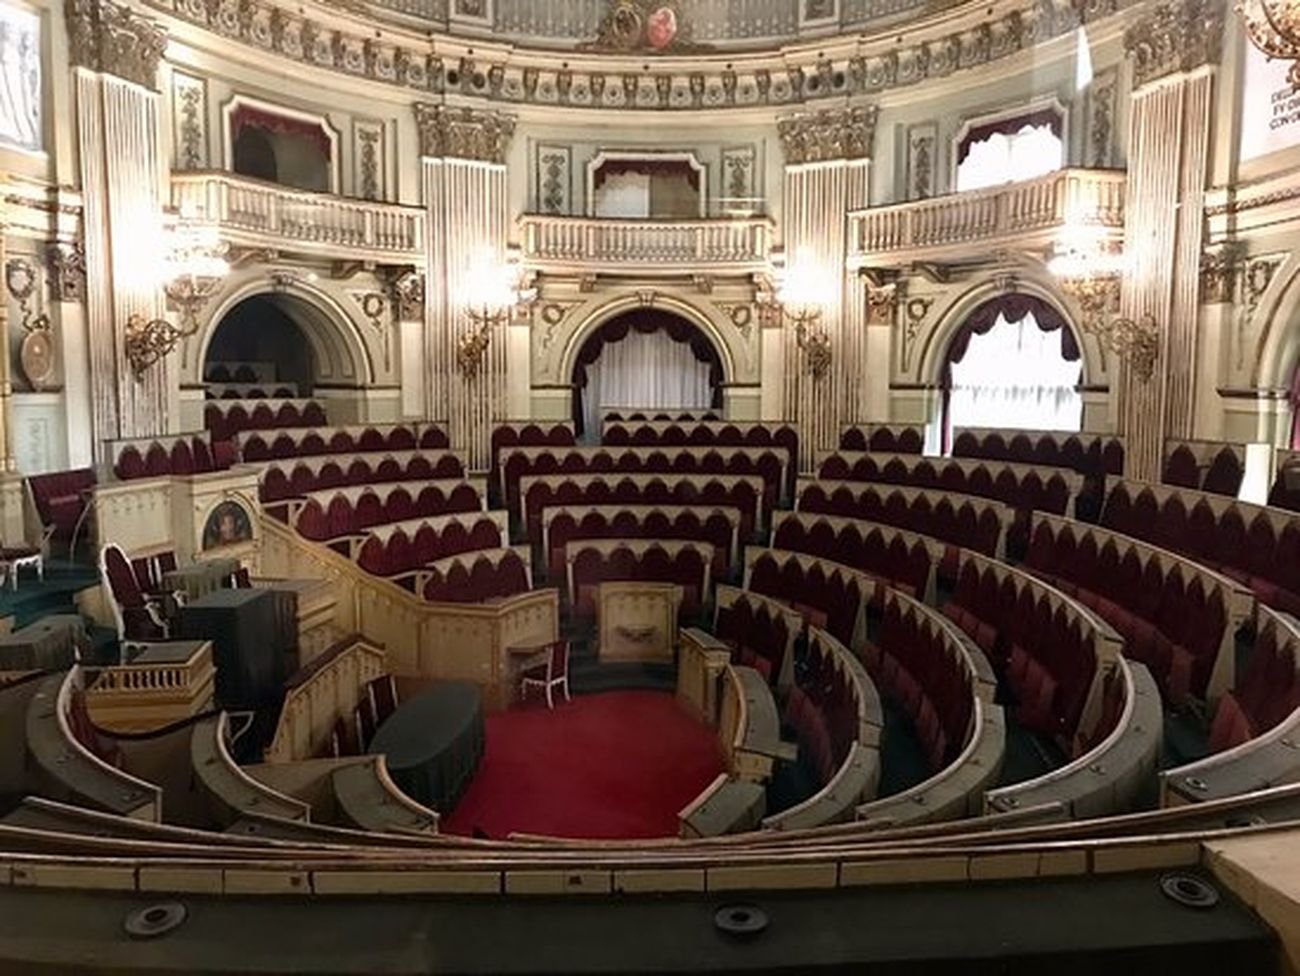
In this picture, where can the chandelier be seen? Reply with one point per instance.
(1089, 270)
(492, 294)
(191, 270)
(1273, 26)
(799, 299)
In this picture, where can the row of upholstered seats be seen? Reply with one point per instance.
(741, 492)
(960, 521)
(477, 576)
(716, 525)
(1253, 544)
(883, 438)
(760, 632)
(293, 478)
(226, 418)
(1204, 466)
(279, 390)
(1022, 487)
(704, 434)
(946, 686)
(183, 454)
(834, 711)
(1176, 617)
(1285, 492)
(591, 562)
(523, 433)
(338, 512)
(266, 445)
(235, 372)
(1089, 454)
(681, 416)
(824, 592)
(769, 463)
(401, 547)
(899, 557)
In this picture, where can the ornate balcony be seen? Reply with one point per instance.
(736, 245)
(1025, 216)
(254, 214)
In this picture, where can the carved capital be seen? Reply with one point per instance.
(111, 38)
(463, 133)
(1219, 272)
(882, 303)
(812, 137)
(1178, 35)
(67, 266)
(408, 290)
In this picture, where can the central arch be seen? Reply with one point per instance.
(699, 354)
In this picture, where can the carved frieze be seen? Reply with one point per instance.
(1101, 118)
(1219, 272)
(408, 291)
(812, 137)
(1176, 36)
(67, 268)
(921, 144)
(108, 37)
(463, 133)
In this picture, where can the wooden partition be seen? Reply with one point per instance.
(749, 726)
(449, 641)
(701, 661)
(330, 687)
(231, 791)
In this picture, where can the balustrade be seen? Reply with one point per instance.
(739, 244)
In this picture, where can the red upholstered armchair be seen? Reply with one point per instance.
(61, 503)
(547, 669)
(139, 616)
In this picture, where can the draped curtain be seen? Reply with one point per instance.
(1019, 148)
(644, 359)
(1295, 410)
(1015, 364)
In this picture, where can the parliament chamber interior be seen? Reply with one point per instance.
(649, 486)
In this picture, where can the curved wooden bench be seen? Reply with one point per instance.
(749, 726)
(725, 806)
(367, 798)
(775, 622)
(629, 521)
(847, 622)
(65, 769)
(230, 790)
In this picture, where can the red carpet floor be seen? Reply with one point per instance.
(614, 765)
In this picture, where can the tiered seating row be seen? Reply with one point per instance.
(591, 562)
(1177, 617)
(946, 686)
(681, 416)
(884, 438)
(1089, 454)
(524, 433)
(1253, 544)
(286, 479)
(400, 547)
(267, 445)
(1204, 466)
(704, 434)
(835, 712)
(1285, 492)
(476, 577)
(716, 525)
(349, 511)
(760, 632)
(825, 593)
(1253, 736)
(227, 418)
(279, 390)
(183, 454)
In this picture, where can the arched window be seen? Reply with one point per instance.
(1015, 364)
(1017, 148)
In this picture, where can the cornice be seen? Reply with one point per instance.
(793, 76)
(463, 133)
(814, 137)
(1180, 35)
(111, 38)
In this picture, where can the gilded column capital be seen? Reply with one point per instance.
(109, 37)
(463, 133)
(1179, 35)
(813, 137)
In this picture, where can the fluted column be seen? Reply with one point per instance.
(1173, 52)
(6, 380)
(465, 195)
(115, 54)
(827, 172)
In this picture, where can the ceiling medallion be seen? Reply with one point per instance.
(1273, 26)
(649, 26)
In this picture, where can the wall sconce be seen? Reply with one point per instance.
(800, 298)
(191, 272)
(492, 294)
(1090, 272)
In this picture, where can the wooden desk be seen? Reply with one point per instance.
(638, 621)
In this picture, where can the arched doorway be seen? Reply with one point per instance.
(260, 341)
(1014, 363)
(646, 359)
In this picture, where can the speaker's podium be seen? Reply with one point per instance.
(638, 621)
(248, 646)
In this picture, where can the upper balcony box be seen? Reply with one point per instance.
(577, 245)
(255, 214)
(1026, 216)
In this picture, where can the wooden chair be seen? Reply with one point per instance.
(547, 669)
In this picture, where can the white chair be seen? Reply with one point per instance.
(547, 669)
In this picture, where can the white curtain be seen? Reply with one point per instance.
(1015, 376)
(648, 371)
(1033, 151)
(20, 77)
(624, 194)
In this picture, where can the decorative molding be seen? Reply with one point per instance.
(368, 159)
(915, 311)
(189, 122)
(1220, 269)
(21, 280)
(408, 295)
(1179, 35)
(67, 271)
(922, 142)
(813, 137)
(463, 133)
(554, 179)
(644, 26)
(111, 38)
(882, 303)
(373, 306)
(1101, 118)
(740, 173)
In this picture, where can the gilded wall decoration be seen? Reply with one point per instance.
(368, 159)
(915, 311)
(1101, 118)
(463, 133)
(67, 271)
(112, 38)
(819, 12)
(554, 179)
(228, 524)
(480, 10)
(36, 349)
(408, 295)
(740, 176)
(189, 122)
(1220, 269)
(648, 26)
(374, 306)
(812, 137)
(921, 144)
(1178, 35)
